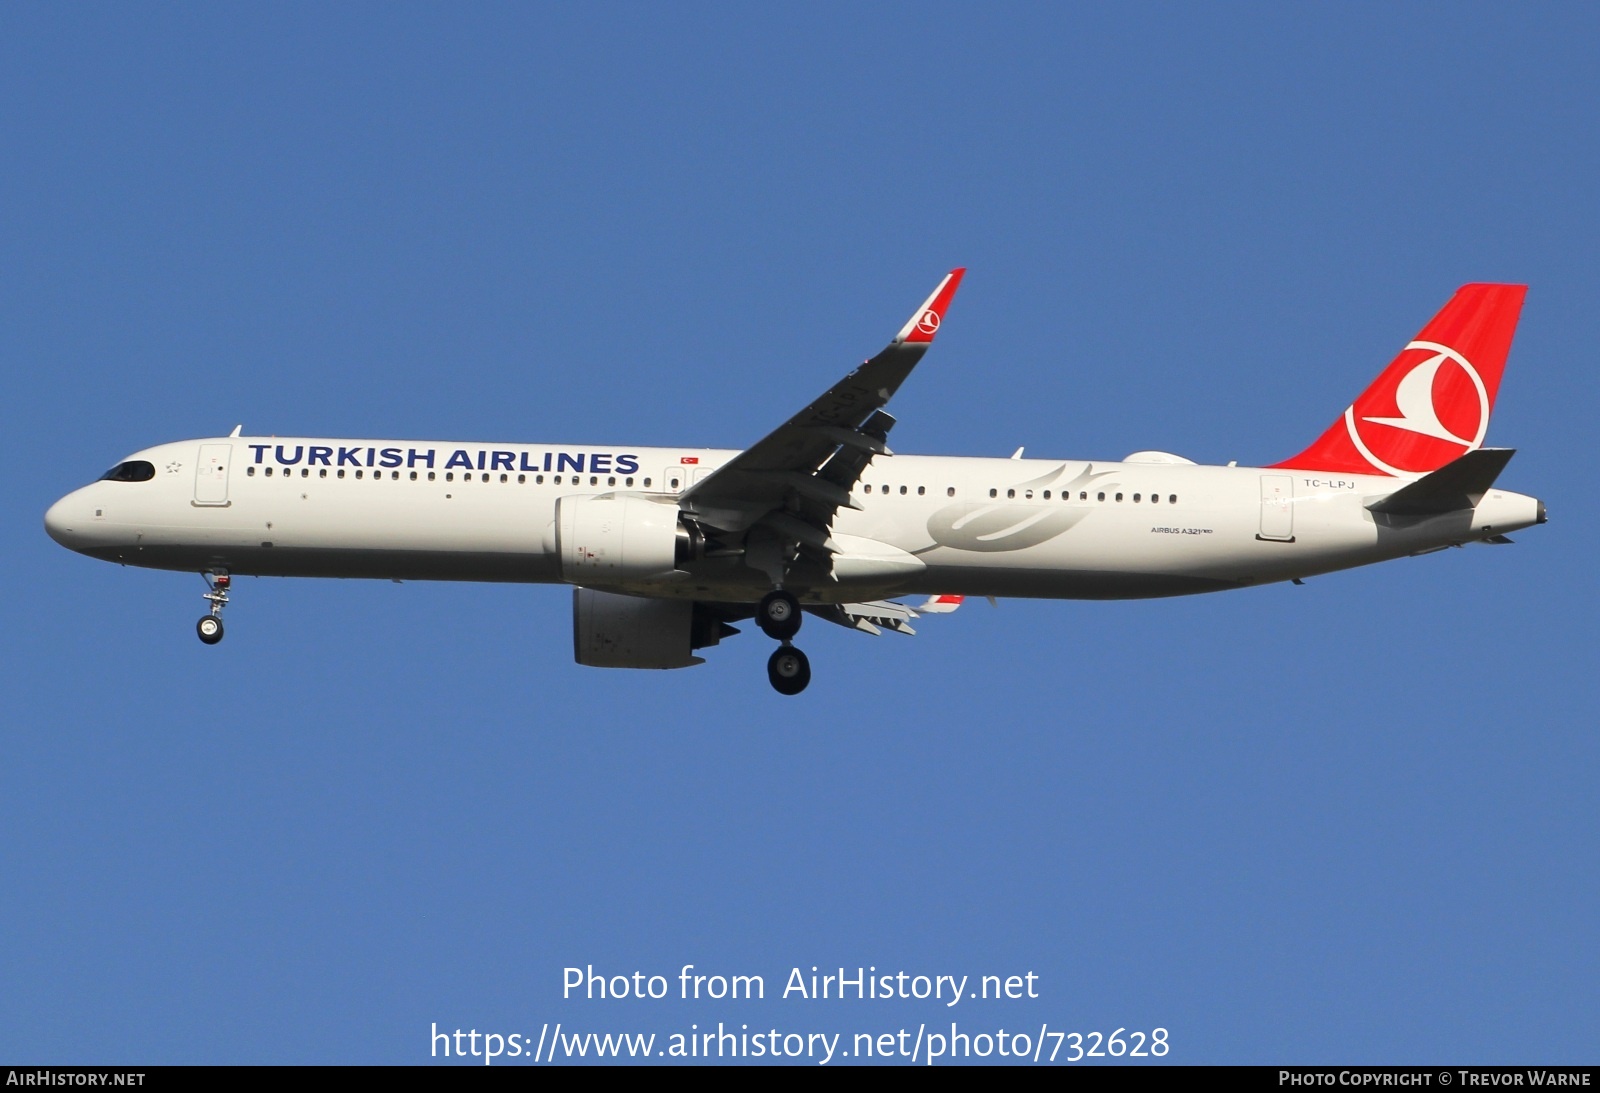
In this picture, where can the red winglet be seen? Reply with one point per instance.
(925, 323)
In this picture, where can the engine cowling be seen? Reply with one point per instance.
(610, 538)
(615, 631)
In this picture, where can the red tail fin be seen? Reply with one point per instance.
(1432, 403)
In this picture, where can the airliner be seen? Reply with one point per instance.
(667, 548)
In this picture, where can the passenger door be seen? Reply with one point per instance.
(211, 474)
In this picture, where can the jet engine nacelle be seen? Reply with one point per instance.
(619, 538)
(615, 631)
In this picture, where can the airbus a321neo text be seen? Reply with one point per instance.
(667, 547)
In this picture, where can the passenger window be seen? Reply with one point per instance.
(611, 481)
(950, 491)
(413, 476)
(486, 478)
(430, 476)
(1100, 497)
(1172, 499)
(1047, 495)
(341, 472)
(594, 480)
(921, 490)
(394, 476)
(1119, 497)
(1028, 494)
(629, 481)
(902, 491)
(1011, 493)
(867, 487)
(521, 479)
(1136, 498)
(449, 476)
(994, 493)
(268, 472)
(1083, 495)
(323, 473)
(556, 480)
(250, 472)
(646, 483)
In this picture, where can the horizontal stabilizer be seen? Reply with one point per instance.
(1459, 484)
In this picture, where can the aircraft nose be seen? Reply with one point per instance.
(63, 521)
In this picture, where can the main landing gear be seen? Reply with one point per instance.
(788, 670)
(779, 617)
(210, 626)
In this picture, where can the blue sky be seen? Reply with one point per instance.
(1346, 822)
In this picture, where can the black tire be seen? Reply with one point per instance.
(209, 628)
(788, 671)
(779, 615)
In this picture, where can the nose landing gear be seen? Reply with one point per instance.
(210, 626)
(779, 617)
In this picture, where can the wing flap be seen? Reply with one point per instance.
(871, 618)
(880, 615)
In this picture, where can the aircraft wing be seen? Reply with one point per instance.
(798, 476)
(880, 615)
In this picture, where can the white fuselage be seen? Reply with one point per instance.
(926, 524)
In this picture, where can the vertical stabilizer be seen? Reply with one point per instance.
(1432, 404)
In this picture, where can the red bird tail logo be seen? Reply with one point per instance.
(1432, 404)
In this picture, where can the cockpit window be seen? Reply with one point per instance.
(134, 470)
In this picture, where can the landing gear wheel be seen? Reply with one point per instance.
(788, 670)
(779, 615)
(218, 582)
